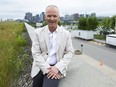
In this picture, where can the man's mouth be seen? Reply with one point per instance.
(51, 22)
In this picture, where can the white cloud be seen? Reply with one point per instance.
(18, 8)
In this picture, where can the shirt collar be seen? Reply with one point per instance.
(55, 30)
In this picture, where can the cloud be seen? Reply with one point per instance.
(20, 7)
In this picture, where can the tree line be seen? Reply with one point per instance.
(93, 23)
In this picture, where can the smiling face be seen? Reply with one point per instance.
(52, 17)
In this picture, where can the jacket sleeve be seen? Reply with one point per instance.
(37, 54)
(63, 63)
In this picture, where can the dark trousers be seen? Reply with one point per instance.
(41, 80)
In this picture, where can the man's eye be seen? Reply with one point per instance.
(48, 16)
(54, 16)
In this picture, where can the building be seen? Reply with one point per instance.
(93, 14)
(42, 17)
(36, 18)
(81, 15)
(87, 15)
(29, 17)
(75, 17)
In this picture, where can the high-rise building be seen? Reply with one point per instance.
(37, 18)
(87, 15)
(81, 15)
(29, 17)
(93, 14)
(42, 17)
(75, 17)
(66, 17)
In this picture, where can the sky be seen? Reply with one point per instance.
(16, 9)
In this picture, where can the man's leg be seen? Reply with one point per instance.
(48, 82)
(38, 80)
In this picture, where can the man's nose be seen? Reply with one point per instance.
(52, 18)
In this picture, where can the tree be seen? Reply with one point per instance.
(60, 23)
(92, 23)
(113, 20)
(82, 24)
(105, 25)
(44, 23)
(88, 23)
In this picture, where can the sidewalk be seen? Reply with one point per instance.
(84, 71)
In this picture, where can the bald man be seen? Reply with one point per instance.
(51, 50)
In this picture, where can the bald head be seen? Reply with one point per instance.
(52, 7)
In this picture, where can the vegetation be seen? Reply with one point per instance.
(88, 23)
(100, 37)
(82, 23)
(32, 24)
(11, 44)
(107, 25)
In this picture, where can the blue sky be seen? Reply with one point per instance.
(14, 9)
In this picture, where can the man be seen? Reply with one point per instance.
(52, 51)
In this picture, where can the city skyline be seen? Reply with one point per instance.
(11, 9)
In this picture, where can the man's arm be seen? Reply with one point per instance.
(37, 54)
(63, 63)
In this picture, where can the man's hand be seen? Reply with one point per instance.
(58, 76)
(53, 72)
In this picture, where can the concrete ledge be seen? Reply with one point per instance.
(81, 74)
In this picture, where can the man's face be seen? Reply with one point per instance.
(52, 17)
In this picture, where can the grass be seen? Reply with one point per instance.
(11, 44)
(100, 37)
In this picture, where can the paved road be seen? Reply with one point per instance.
(97, 51)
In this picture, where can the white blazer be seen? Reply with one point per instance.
(40, 49)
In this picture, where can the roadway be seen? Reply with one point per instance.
(98, 51)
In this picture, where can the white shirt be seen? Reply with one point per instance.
(52, 57)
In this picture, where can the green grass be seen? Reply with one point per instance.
(11, 44)
(100, 37)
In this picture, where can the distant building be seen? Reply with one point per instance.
(36, 19)
(42, 18)
(75, 17)
(93, 14)
(29, 17)
(81, 15)
(62, 18)
(87, 15)
(67, 17)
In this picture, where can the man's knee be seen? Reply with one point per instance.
(47, 82)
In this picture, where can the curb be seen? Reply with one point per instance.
(99, 41)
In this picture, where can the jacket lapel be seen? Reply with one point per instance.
(46, 37)
(59, 35)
